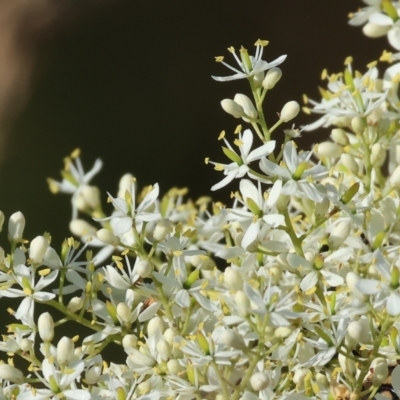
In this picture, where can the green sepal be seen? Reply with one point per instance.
(394, 278)
(389, 9)
(232, 156)
(112, 311)
(53, 384)
(121, 395)
(351, 192)
(203, 343)
(253, 207)
(192, 278)
(323, 335)
(299, 170)
(378, 240)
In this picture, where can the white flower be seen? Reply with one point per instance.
(75, 178)
(297, 174)
(127, 215)
(239, 167)
(249, 66)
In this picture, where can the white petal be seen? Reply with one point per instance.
(274, 193)
(332, 279)
(380, 19)
(262, 151)
(274, 220)
(394, 37)
(369, 286)
(393, 304)
(251, 234)
(309, 281)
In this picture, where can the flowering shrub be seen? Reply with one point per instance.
(292, 292)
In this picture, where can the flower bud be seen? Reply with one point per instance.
(1, 220)
(144, 268)
(10, 373)
(358, 332)
(394, 179)
(155, 325)
(46, 327)
(75, 304)
(374, 31)
(348, 366)
(349, 162)
(25, 344)
(65, 350)
(242, 303)
(92, 375)
(260, 381)
(247, 106)
(80, 227)
(339, 234)
(289, 111)
(378, 155)
(339, 136)
(38, 249)
(282, 332)
(358, 125)
(124, 313)
(321, 208)
(233, 278)
(144, 388)
(2, 254)
(232, 108)
(232, 339)
(162, 229)
(164, 349)
(352, 280)
(129, 341)
(329, 149)
(125, 183)
(272, 77)
(107, 237)
(300, 376)
(174, 367)
(380, 371)
(16, 226)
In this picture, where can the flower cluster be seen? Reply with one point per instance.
(290, 292)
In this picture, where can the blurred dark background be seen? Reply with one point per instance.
(130, 82)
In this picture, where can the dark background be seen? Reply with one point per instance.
(129, 81)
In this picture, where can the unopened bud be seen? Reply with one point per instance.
(358, 125)
(144, 268)
(272, 77)
(162, 229)
(289, 111)
(164, 349)
(329, 149)
(155, 325)
(339, 136)
(1, 220)
(46, 327)
(107, 237)
(349, 162)
(232, 108)
(75, 304)
(247, 106)
(87, 198)
(92, 375)
(394, 179)
(380, 371)
(232, 339)
(339, 234)
(352, 280)
(174, 367)
(10, 373)
(260, 381)
(358, 332)
(16, 226)
(124, 313)
(321, 208)
(65, 350)
(378, 155)
(282, 332)
(374, 31)
(125, 184)
(38, 249)
(300, 376)
(80, 227)
(233, 278)
(129, 341)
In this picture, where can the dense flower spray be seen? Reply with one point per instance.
(305, 302)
